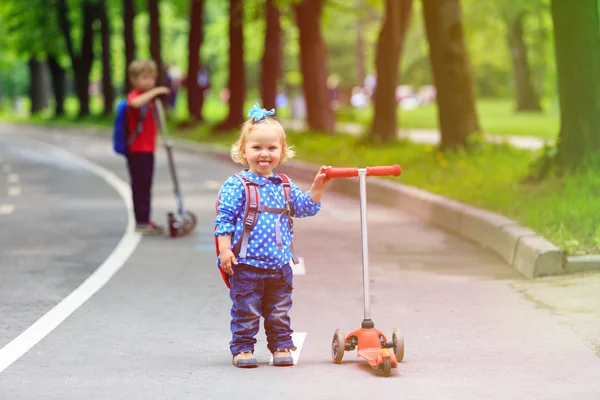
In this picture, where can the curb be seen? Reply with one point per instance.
(530, 254)
(583, 263)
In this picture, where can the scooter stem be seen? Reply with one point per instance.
(362, 176)
(163, 128)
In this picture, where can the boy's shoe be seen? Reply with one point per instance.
(283, 358)
(149, 229)
(245, 360)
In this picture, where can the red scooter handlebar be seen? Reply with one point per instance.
(393, 170)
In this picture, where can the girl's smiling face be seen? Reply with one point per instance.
(262, 150)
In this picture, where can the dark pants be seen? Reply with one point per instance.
(257, 292)
(141, 171)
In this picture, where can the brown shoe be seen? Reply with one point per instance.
(245, 360)
(283, 358)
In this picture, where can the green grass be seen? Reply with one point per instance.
(564, 210)
(495, 116)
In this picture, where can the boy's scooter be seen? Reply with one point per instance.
(183, 222)
(372, 344)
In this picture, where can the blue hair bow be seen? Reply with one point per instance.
(259, 113)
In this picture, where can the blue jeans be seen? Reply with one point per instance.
(257, 292)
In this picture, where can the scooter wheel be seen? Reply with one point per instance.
(338, 346)
(386, 366)
(398, 340)
(190, 222)
(173, 224)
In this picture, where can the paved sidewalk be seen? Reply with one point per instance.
(431, 136)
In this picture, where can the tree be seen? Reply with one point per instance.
(58, 74)
(525, 95)
(128, 38)
(451, 72)
(108, 90)
(514, 13)
(518, 22)
(237, 68)
(81, 62)
(313, 66)
(195, 93)
(37, 94)
(29, 30)
(578, 67)
(271, 61)
(389, 46)
(155, 36)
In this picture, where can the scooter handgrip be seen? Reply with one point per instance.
(393, 170)
(340, 172)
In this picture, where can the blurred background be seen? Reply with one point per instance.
(493, 103)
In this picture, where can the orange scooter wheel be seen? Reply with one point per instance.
(338, 346)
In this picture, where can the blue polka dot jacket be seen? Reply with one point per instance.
(263, 251)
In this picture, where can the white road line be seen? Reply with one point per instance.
(49, 321)
(299, 269)
(13, 178)
(6, 209)
(298, 339)
(14, 191)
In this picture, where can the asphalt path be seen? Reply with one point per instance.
(159, 327)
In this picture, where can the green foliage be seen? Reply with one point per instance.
(33, 30)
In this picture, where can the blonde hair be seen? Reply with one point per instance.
(138, 67)
(237, 154)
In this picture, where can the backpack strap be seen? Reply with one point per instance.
(287, 192)
(250, 216)
(139, 125)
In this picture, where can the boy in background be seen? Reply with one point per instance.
(141, 126)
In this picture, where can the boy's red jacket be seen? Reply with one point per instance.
(145, 141)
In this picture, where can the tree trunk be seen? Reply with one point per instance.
(36, 85)
(155, 48)
(128, 38)
(86, 58)
(313, 66)
(578, 69)
(82, 62)
(451, 72)
(107, 87)
(195, 93)
(389, 46)
(526, 97)
(57, 73)
(237, 68)
(271, 62)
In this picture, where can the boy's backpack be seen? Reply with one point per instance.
(252, 210)
(121, 137)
